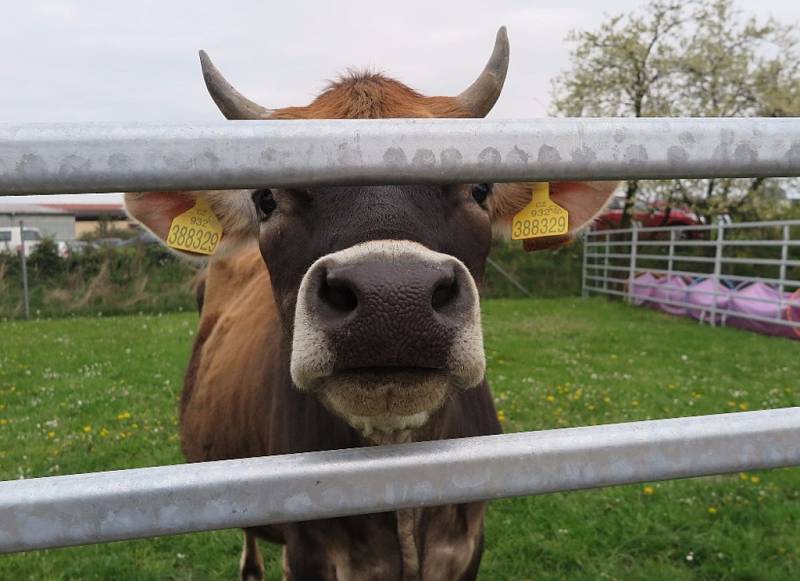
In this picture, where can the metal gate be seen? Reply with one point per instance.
(92, 508)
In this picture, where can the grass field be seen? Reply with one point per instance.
(88, 394)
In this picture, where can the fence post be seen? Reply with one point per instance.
(671, 252)
(508, 277)
(24, 261)
(782, 271)
(719, 249)
(605, 262)
(584, 265)
(632, 271)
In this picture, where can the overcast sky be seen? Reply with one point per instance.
(137, 61)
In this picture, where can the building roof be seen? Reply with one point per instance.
(80, 211)
(90, 211)
(7, 208)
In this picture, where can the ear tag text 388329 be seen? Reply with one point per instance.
(196, 230)
(541, 217)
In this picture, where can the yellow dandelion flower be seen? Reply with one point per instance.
(712, 510)
(744, 406)
(87, 429)
(649, 490)
(501, 416)
(103, 433)
(51, 434)
(550, 398)
(755, 479)
(124, 416)
(3, 421)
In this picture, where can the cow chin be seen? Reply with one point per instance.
(385, 401)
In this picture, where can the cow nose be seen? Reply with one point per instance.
(379, 308)
(376, 289)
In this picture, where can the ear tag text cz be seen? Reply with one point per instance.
(541, 217)
(196, 230)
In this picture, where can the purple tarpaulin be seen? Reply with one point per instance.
(750, 300)
(702, 301)
(697, 300)
(671, 288)
(643, 288)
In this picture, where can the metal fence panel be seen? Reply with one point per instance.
(611, 266)
(108, 506)
(248, 154)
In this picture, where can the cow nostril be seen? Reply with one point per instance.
(444, 293)
(338, 295)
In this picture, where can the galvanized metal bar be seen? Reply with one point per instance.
(508, 277)
(718, 311)
(23, 257)
(779, 302)
(740, 278)
(632, 259)
(699, 243)
(584, 269)
(65, 158)
(784, 256)
(605, 259)
(108, 506)
(701, 227)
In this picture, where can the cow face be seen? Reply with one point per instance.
(376, 286)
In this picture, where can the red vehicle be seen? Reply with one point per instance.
(649, 216)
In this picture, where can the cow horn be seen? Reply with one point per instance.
(481, 95)
(231, 102)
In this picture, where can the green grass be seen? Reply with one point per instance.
(80, 395)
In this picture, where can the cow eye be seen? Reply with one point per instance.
(480, 192)
(265, 202)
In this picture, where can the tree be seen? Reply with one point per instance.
(691, 59)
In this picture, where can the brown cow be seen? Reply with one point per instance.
(362, 329)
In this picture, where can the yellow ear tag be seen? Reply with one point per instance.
(196, 230)
(541, 217)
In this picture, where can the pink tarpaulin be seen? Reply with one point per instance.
(673, 289)
(643, 288)
(751, 300)
(698, 299)
(702, 298)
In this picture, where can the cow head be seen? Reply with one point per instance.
(376, 286)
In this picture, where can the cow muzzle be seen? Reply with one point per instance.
(384, 332)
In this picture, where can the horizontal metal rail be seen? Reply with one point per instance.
(697, 227)
(741, 279)
(702, 259)
(710, 310)
(65, 158)
(782, 303)
(789, 243)
(109, 506)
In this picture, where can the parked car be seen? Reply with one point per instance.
(11, 241)
(108, 242)
(67, 248)
(649, 216)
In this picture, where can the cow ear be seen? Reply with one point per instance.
(234, 209)
(584, 201)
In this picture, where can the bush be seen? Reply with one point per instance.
(44, 261)
(546, 273)
(149, 278)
